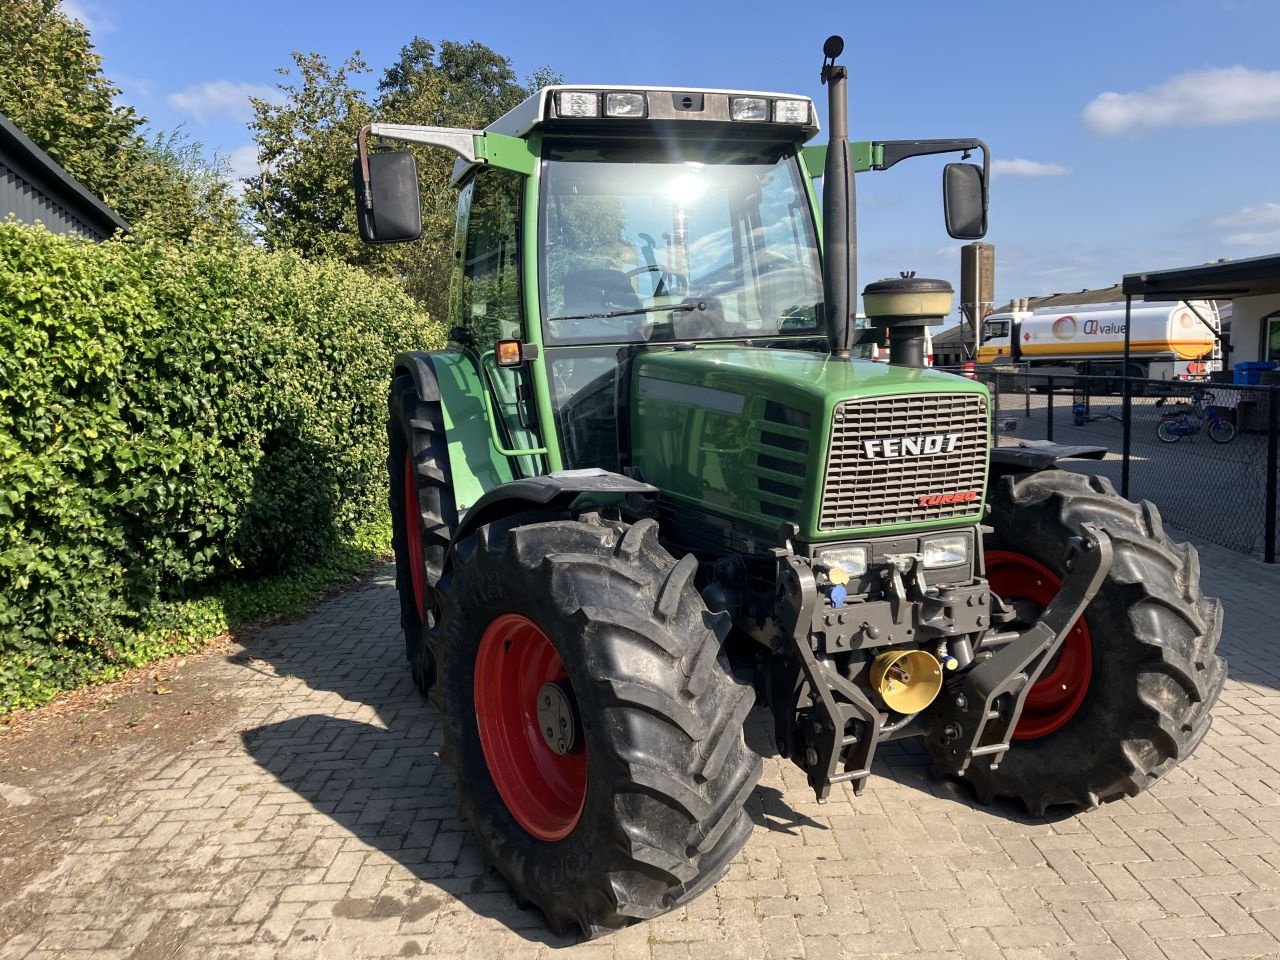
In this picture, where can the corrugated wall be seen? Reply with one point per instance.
(26, 201)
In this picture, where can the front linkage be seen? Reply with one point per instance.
(834, 739)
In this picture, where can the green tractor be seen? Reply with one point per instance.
(648, 488)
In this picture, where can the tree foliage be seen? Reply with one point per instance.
(52, 87)
(174, 416)
(304, 200)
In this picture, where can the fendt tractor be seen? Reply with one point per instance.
(646, 488)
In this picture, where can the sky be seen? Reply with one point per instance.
(1127, 135)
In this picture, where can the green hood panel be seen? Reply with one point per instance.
(745, 433)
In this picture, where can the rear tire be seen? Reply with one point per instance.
(1168, 431)
(423, 517)
(667, 771)
(1152, 676)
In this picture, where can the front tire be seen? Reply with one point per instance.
(646, 809)
(1150, 675)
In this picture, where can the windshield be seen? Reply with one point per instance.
(995, 329)
(638, 250)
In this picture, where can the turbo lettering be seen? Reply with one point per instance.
(887, 448)
(945, 499)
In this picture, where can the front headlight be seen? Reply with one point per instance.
(852, 560)
(945, 551)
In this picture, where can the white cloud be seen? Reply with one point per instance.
(1264, 213)
(1026, 168)
(244, 162)
(1265, 238)
(206, 100)
(1217, 95)
(90, 16)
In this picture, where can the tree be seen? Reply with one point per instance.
(304, 198)
(52, 87)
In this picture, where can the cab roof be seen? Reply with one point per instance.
(678, 104)
(667, 111)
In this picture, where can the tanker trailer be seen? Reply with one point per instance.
(1170, 341)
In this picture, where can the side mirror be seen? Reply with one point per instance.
(964, 198)
(387, 206)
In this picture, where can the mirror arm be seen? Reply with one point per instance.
(893, 151)
(454, 139)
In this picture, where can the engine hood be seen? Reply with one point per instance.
(762, 437)
(806, 380)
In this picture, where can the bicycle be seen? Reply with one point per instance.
(1174, 426)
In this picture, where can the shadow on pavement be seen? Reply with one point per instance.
(366, 754)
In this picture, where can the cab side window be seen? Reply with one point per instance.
(490, 288)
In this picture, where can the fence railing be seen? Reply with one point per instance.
(1205, 453)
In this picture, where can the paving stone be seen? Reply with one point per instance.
(323, 825)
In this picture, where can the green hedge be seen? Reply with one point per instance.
(177, 422)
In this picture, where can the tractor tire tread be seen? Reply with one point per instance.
(1162, 632)
(670, 770)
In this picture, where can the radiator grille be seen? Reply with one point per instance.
(889, 487)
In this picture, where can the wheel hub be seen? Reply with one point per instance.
(521, 691)
(1029, 586)
(556, 717)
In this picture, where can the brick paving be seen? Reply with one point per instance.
(320, 823)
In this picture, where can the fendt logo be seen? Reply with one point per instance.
(946, 499)
(890, 448)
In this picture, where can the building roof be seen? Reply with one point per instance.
(1078, 298)
(1223, 280)
(40, 172)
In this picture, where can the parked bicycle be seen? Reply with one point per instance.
(1201, 415)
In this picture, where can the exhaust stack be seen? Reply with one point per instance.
(839, 229)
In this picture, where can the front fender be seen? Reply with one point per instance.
(563, 489)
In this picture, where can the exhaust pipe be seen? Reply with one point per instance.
(839, 228)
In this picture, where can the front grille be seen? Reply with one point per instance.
(890, 487)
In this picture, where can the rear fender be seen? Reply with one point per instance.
(450, 378)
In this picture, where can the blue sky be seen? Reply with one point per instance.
(1129, 135)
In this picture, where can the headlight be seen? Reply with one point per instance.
(577, 103)
(945, 551)
(852, 560)
(624, 104)
(791, 111)
(749, 108)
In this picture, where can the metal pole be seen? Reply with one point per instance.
(1273, 476)
(839, 229)
(1049, 414)
(1128, 407)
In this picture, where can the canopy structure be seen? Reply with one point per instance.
(1224, 280)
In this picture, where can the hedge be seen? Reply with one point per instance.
(188, 436)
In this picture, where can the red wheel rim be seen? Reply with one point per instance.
(413, 536)
(544, 791)
(1057, 695)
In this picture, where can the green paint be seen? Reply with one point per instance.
(529, 286)
(510, 153)
(864, 154)
(707, 457)
(486, 361)
(474, 465)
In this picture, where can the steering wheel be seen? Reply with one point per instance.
(666, 279)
